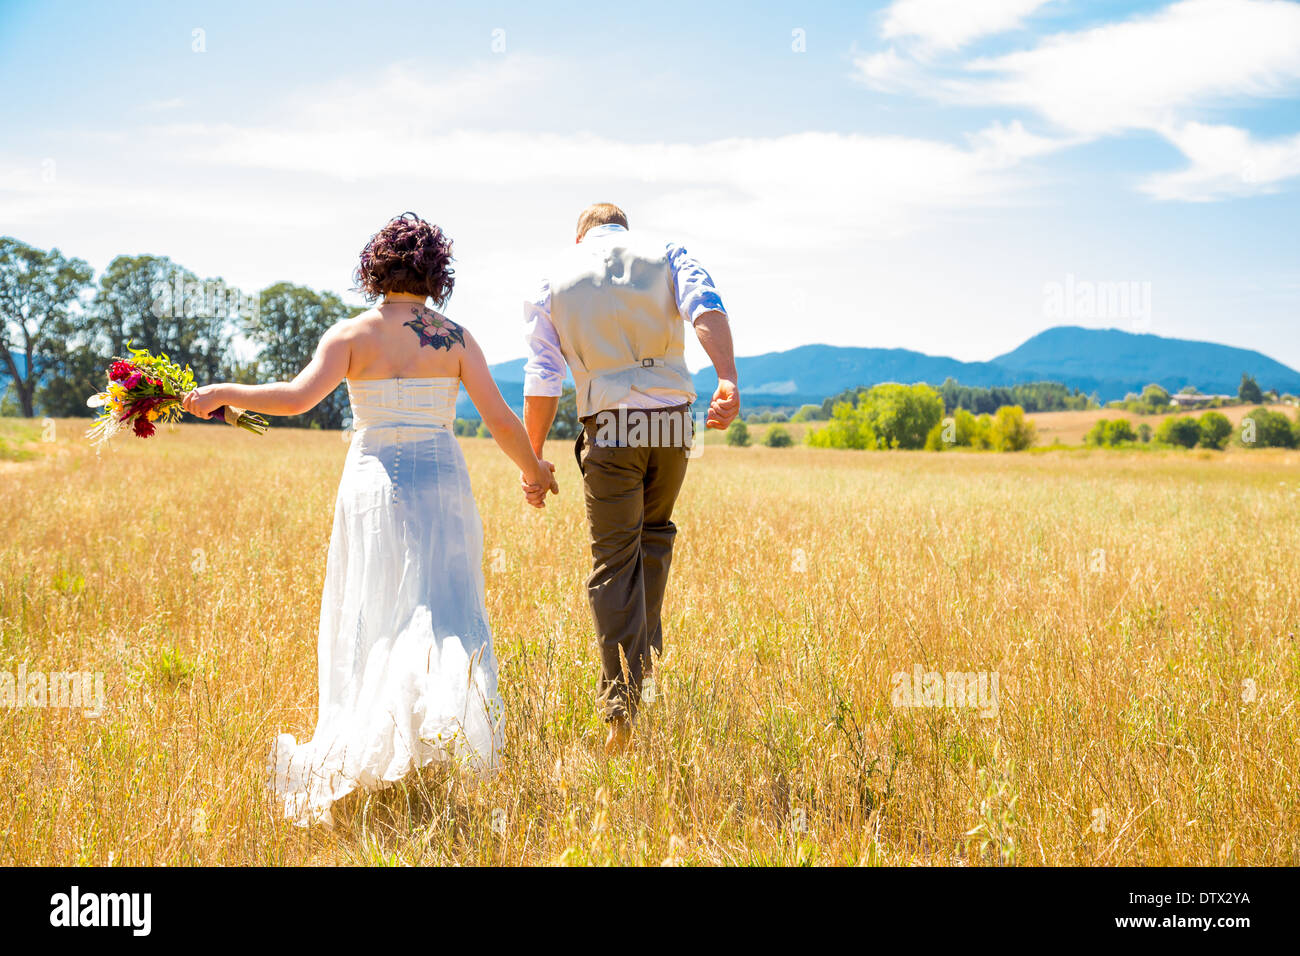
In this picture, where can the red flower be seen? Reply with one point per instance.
(131, 381)
(143, 427)
(120, 370)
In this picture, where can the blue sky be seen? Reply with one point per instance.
(910, 174)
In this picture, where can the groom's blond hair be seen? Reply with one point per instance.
(600, 214)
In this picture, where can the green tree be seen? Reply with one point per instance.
(738, 434)
(778, 437)
(885, 416)
(1031, 396)
(1182, 431)
(1155, 397)
(1099, 433)
(37, 291)
(566, 425)
(1249, 390)
(1121, 431)
(977, 432)
(962, 430)
(287, 326)
(1264, 428)
(845, 429)
(74, 372)
(1110, 433)
(1215, 430)
(900, 416)
(154, 303)
(1011, 430)
(1144, 433)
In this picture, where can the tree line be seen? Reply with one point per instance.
(912, 416)
(978, 400)
(1261, 428)
(1157, 400)
(59, 328)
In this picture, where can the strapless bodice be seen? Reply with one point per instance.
(388, 402)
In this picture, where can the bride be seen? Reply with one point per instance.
(407, 674)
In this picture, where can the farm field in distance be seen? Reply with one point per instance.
(1138, 611)
(1067, 428)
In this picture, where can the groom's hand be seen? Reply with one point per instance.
(536, 488)
(725, 405)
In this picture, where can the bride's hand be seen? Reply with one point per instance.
(537, 484)
(203, 401)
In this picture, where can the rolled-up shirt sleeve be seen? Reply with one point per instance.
(696, 293)
(544, 368)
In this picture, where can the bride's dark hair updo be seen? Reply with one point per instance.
(408, 255)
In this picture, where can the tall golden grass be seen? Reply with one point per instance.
(1139, 610)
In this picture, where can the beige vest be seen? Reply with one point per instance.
(614, 307)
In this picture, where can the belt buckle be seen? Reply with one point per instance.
(647, 363)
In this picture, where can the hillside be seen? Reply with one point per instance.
(1112, 362)
(1108, 362)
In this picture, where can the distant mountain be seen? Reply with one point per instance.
(509, 377)
(1106, 361)
(809, 373)
(1112, 362)
(1109, 362)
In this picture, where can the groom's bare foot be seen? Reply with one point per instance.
(620, 735)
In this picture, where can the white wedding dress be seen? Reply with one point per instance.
(407, 674)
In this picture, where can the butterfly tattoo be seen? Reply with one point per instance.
(434, 329)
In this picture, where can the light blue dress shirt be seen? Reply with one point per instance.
(544, 370)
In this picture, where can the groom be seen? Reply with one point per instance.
(615, 309)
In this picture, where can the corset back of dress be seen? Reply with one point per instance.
(403, 402)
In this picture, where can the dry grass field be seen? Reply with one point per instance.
(1139, 611)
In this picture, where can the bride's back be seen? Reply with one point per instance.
(404, 339)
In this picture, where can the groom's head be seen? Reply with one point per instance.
(600, 214)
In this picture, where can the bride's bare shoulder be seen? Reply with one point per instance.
(358, 326)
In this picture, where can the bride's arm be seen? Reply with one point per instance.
(322, 375)
(506, 428)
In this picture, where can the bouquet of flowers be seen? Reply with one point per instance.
(145, 389)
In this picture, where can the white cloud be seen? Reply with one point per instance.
(765, 192)
(811, 183)
(293, 194)
(404, 98)
(890, 72)
(950, 24)
(1158, 72)
(1224, 161)
(1005, 145)
(1136, 74)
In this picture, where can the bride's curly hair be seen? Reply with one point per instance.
(408, 255)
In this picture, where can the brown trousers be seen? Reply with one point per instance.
(630, 491)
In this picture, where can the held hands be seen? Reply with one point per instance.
(725, 405)
(203, 401)
(536, 485)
